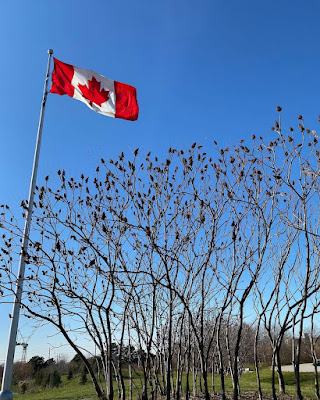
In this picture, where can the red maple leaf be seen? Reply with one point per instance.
(93, 93)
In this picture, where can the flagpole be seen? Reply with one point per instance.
(6, 393)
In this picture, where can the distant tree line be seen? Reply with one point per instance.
(204, 261)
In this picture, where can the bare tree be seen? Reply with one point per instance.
(158, 262)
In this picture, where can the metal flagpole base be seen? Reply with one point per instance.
(6, 395)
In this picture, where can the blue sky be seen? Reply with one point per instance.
(206, 70)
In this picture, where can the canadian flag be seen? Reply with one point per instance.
(107, 97)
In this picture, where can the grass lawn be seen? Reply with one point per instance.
(73, 390)
(70, 390)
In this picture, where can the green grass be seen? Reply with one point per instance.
(248, 382)
(70, 390)
(73, 390)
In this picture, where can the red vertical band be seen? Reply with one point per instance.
(61, 78)
(126, 101)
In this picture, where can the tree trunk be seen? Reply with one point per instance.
(282, 388)
(221, 369)
(256, 361)
(273, 383)
(109, 360)
(314, 357)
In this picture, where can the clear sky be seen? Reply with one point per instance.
(204, 70)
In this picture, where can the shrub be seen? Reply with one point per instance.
(23, 386)
(70, 374)
(40, 378)
(54, 379)
(21, 372)
(83, 376)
